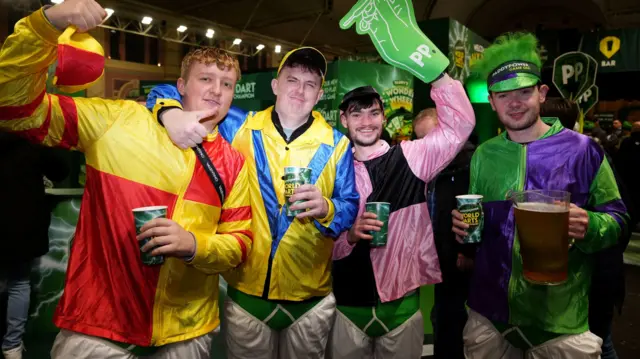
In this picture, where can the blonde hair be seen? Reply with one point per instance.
(427, 112)
(208, 56)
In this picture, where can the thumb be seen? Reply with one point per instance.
(206, 115)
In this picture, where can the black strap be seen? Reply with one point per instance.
(211, 172)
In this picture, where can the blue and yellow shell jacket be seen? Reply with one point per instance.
(290, 258)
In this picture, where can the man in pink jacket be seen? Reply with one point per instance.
(376, 288)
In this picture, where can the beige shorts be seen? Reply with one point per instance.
(482, 340)
(70, 344)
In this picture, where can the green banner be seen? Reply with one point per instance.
(614, 50)
(465, 49)
(253, 91)
(395, 86)
(328, 104)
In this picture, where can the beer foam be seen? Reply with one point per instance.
(542, 207)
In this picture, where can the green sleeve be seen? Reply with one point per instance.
(607, 213)
(473, 177)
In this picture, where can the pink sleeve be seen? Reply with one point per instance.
(342, 247)
(431, 154)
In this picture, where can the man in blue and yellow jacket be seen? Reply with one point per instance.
(279, 301)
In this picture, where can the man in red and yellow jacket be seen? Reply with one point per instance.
(113, 305)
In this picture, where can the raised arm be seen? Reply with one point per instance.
(456, 120)
(26, 108)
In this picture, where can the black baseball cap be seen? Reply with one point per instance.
(306, 55)
(358, 92)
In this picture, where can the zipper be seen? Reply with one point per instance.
(523, 168)
(157, 324)
(267, 281)
(523, 175)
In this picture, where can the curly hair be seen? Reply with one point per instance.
(208, 56)
(519, 46)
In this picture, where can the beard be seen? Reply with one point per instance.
(364, 142)
(529, 119)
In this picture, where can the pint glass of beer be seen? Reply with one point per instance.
(542, 222)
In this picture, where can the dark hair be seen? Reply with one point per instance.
(361, 103)
(306, 58)
(292, 64)
(566, 110)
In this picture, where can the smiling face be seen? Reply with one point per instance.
(519, 109)
(297, 90)
(364, 120)
(208, 81)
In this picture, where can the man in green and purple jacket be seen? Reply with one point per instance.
(510, 317)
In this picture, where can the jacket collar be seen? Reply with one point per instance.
(384, 148)
(319, 130)
(555, 128)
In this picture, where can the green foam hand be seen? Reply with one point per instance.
(391, 24)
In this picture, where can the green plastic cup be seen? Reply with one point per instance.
(381, 210)
(141, 216)
(470, 206)
(294, 177)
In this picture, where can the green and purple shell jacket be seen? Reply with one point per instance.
(559, 160)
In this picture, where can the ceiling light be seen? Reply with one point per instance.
(278, 49)
(147, 20)
(260, 47)
(109, 12)
(182, 28)
(210, 33)
(237, 41)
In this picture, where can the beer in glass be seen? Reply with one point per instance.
(542, 222)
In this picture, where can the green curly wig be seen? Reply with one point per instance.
(506, 48)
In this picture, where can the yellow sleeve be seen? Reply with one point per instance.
(164, 103)
(26, 108)
(230, 246)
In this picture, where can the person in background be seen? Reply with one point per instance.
(598, 132)
(614, 138)
(607, 290)
(24, 224)
(449, 314)
(628, 164)
(617, 128)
